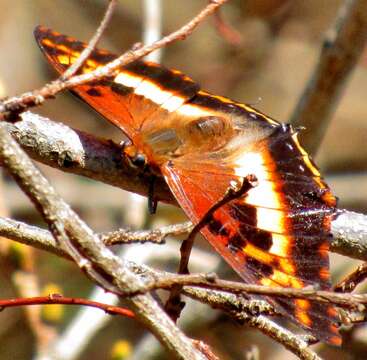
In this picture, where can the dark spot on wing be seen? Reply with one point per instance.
(102, 57)
(262, 239)
(93, 92)
(236, 243)
(216, 227)
(244, 213)
(258, 268)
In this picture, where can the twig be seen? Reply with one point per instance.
(285, 337)
(59, 299)
(352, 280)
(230, 303)
(248, 183)
(210, 281)
(10, 108)
(30, 235)
(157, 236)
(72, 70)
(252, 313)
(205, 349)
(152, 26)
(342, 47)
(174, 305)
(226, 31)
(43, 239)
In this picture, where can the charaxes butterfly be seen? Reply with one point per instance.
(278, 233)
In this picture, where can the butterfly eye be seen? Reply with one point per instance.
(139, 160)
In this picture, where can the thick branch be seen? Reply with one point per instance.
(349, 230)
(76, 152)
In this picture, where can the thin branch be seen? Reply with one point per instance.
(342, 47)
(164, 280)
(72, 70)
(10, 108)
(152, 26)
(226, 31)
(174, 305)
(59, 299)
(351, 281)
(156, 236)
(43, 239)
(30, 235)
(252, 313)
(231, 303)
(210, 281)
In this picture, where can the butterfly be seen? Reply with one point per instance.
(278, 232)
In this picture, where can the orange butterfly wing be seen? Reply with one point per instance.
(124, 99)
(278, 233)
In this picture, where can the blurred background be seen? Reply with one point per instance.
(267, 64)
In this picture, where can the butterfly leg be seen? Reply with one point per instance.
(152, 201)
(174, 305)
(139, 160)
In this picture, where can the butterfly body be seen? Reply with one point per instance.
(277, 233)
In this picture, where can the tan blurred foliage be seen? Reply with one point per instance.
(280, 43)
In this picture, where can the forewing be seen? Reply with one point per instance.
(278, 233)
(137, 91)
